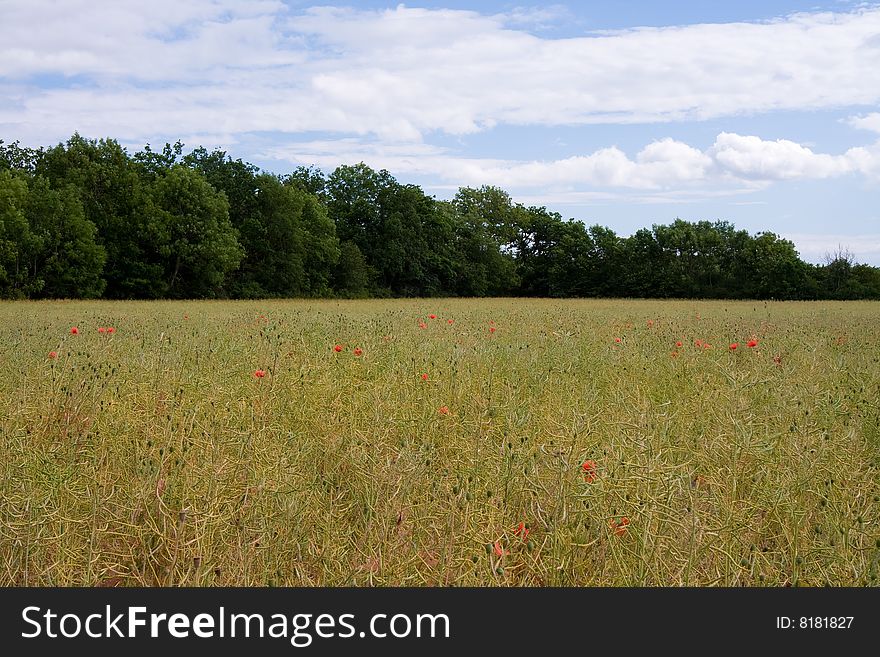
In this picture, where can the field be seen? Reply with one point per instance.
(500, 443)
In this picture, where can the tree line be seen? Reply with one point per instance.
(84, 219)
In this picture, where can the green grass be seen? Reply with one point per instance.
(154, 456)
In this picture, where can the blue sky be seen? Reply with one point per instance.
(626, 114)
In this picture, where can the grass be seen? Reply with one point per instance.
(153, 456)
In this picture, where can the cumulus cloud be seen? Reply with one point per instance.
(868, 122)
(404, 73)
(741, 162)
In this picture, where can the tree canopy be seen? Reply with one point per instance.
(86, 219)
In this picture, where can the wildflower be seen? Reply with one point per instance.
(491, 329)
(589, 468)
(698, 344)
(678, 344)
(522, 530)
(186, 316)
(450, 321)
(499, 552)
(674, 354)
(443, 410)
(74, 331)
(432, 316)
(422, 325)
(619, 528)
(752, 343)
(650, 323)
(777, 359)
(733, 346)
(53, 354)
(111, 329)
(337, 348)
(358, 351)
(259, 374)
(617, 340)
(424, 377)
(101, 329)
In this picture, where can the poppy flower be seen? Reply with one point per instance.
(443, 410)
(186, 316)
(101, 329)
(698, 343)
(499, 552)
(619, 528)
(617, 340)
(450, 321)
(522, 530)
(424, 377)
(111, 329)
(358, 351)
(706, 345)
(259, 374)
(432, 316)
(337, 348)
(53, 354)
(589, 468)
(752, 343)
(74, 330)
(674, 354)
(777, 359)
(678, 344)
(733, 346)
(422, 325)
(650, 323)
(491, 329)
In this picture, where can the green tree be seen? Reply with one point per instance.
(198, 244)
(16, 240)
(69, 260)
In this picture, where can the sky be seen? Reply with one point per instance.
(625, 114)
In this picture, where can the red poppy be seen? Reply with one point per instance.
(358, 351)
(491, 329)
(101, 329)
(619, 528)
(678, 344)
(74, 331)
(424, 377)
(733, 346)
(186, 316)
(777, 359)
(650, 323)
(259, 374)
(111, 329)
(522, 530)
(674, 354)
(432, 316)
(698, 343)
(443, 410)
(53, 354)
(706, 345)
(617, 340)
(422, 325)
(498, 550)
(337, 348)
(752, 343)
(449, 321)
(589, 468)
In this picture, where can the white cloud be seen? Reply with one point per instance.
(137, 70)
(868, 122)
(744, 163)
(750, 157)
(814, 247)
